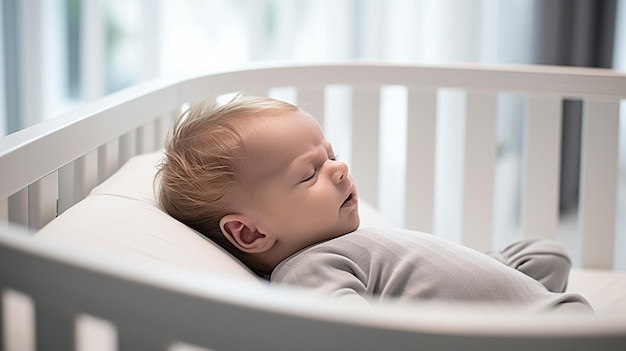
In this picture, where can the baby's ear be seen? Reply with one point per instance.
(240, 231)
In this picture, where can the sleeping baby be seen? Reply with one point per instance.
(257, 176)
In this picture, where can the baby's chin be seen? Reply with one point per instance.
(354, 226)
(345, 228)
(357, 225)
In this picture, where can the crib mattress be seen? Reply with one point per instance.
(605, 290)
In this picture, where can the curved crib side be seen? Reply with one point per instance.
(154, 307)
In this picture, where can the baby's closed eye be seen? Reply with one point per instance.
(310, 177)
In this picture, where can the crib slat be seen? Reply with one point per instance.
(540, 209)
(420, 164)
(108, 160)
(145, 138)
(312, 101)
(479, 159)
(4, 210)
(91, 332)
(19, 327)
(162, 127)
(54, 328)
(42, 200)
(85, 173)
(67, 187)
(598, 182)
(365, 126)
(18, 207)
(128, 146)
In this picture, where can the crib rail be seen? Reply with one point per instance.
(55, 164)
(68, 156)
(154, 309)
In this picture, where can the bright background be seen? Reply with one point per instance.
(58, 54)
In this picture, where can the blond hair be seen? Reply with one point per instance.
(200, 173)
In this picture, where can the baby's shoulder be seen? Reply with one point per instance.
(388, 234)
(373, 239)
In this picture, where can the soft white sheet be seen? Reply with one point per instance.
(605, 290)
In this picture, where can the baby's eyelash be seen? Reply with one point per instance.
(315, 171)
(311, 177)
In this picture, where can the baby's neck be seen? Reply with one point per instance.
(265, 262)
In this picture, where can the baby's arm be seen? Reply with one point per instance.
(327, 274)
(543, 260)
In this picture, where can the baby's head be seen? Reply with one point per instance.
(257, 177)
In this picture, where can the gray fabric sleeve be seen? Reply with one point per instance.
(330, 275)
(544, 260)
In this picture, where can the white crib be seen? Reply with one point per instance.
(61, 278)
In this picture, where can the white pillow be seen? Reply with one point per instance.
(120, 216)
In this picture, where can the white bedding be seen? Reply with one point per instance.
(121, 217)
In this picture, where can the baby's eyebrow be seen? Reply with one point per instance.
(305, 159)
(321, 152)
(329, 149)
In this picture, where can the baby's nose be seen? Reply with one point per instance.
(341, 171)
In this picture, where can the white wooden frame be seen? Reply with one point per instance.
(69, 155)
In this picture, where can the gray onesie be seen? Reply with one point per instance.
(371, 264)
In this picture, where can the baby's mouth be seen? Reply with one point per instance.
(350, 200)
